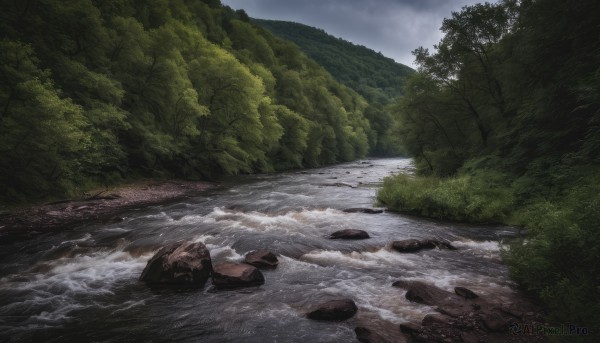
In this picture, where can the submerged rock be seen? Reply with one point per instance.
(179, 264)
(340, 309)
(414, 245)
(261, 259)
(349, 234)
(236, 275)
(465, 292)
(364, 210)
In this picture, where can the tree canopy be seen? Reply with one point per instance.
(93, 92)
(502, 121)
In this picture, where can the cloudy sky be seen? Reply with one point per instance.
(394, 27)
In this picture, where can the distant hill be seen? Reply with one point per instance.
(371, 74)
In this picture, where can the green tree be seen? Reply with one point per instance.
(42, 134)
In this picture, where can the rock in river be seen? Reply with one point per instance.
(179, 264)
(465, 292)
(261, 259)
(414, 245)
(236, 275)
(349, 234)
(340, 309)
(364, 210)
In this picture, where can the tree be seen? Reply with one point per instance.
(42, 134)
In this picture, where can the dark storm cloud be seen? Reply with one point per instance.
(394, 27)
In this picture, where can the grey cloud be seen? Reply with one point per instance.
(394, 27)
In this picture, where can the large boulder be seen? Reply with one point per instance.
(349, 234)
(340, 309)
(236, 275)
(184, 263)
(261, 259)
(414, 245)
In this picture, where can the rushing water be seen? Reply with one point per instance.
(82, 284)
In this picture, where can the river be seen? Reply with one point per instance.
(81, 284)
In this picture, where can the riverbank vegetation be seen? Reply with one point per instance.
(96, 92)
(503, 122)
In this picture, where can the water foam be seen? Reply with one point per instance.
(67, 286)
(379, 259)
(492, 246)
(296, 222)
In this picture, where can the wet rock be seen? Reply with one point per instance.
(366, 335)
(437, 319)
(414, 245)
(336, 184)
(236, 275)
(261, 259)
(464, 318)
(494, 321)
(465, 293)
(340, 309)
(469, 337)
(445, 302)
(364, 210)
(409, 328)
(371, 328)
(349, 234)
(407, 245)
(430, 295)
(179, 264)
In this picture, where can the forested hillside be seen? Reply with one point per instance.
(377, 78)
(93, 92)
(503, 120)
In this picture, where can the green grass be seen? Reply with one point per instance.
(464, 198)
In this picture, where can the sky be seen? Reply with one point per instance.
(392, 27)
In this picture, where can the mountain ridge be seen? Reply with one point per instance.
(368, 72)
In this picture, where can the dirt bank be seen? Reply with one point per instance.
(101, 205)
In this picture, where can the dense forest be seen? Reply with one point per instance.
(503, 121)
(94, 92)
(377, 78)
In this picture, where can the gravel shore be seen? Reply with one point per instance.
(96, 206)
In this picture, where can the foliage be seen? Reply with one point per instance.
(377, 78)
(477, 198)
(502, 122)
(93, 92)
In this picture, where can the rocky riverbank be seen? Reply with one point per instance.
(96, 206)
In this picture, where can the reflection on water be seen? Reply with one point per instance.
(81, 285)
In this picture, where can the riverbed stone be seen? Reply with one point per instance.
(179, 263)
(261, 259)
(333, 310)
(349, 234)
(236, 275)
(414, 245)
